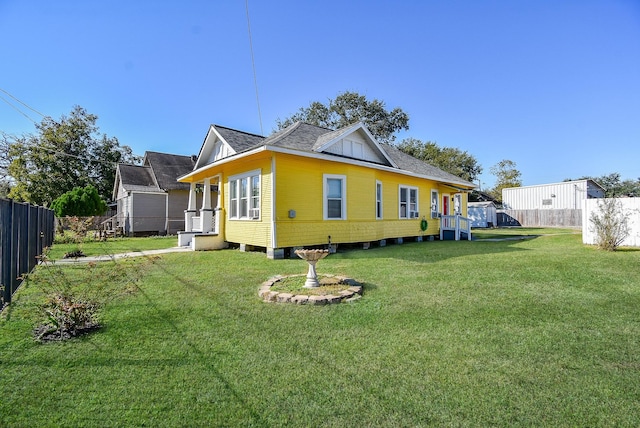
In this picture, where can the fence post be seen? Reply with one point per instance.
(7, 259)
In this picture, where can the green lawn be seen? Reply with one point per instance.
(538, 332)
(92, 247)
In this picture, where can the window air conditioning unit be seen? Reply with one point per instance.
(254, 213)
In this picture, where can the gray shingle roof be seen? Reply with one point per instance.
(137, 177)
(409, 163)
(306, 137)
(238, 140)
(167, 168)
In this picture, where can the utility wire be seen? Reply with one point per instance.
(253, 64)
(23, 103)
(37, 144)
(17, 109)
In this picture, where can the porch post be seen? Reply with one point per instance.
(218, 210)
(190, 212)
(206, 213)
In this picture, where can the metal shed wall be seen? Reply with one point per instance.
(555, 196)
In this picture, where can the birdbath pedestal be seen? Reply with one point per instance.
(312, 257)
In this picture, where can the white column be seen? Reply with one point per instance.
(190, 212)
(206, 213)
(218, 211)
(206, 197)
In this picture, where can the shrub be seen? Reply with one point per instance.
(610, 223)
(81, 201)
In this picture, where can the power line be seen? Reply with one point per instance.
(17, 109)
(253, 64)
(22, 102)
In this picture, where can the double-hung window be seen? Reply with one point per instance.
(335, 197)
(434, 203)
(244, 196)
(378, 200)
(408, 202)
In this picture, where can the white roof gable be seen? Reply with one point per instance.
(214, 147)
(354, 142)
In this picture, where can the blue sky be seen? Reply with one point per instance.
(552, 85)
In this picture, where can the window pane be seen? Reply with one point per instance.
(403, 194)
(334, 188)
(334, 208)
(243, 187)
(255, 185)
(243, 207)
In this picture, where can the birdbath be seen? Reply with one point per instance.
(312, 257)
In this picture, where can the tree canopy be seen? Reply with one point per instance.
(64, 154)
(81, 202)
(614, 186)
(452, 160)
(506, 176)
(349, 108)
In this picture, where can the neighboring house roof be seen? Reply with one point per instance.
(136, 178)
(166, 168)
(158, 173)
(307, 138)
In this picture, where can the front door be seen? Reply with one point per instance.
(445, 205)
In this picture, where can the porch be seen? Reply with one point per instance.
(203, 226)
(457, 224)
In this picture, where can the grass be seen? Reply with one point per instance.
(91, 247)
(539, 332)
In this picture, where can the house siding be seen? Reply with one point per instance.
(148, 212)
(252, 232)
(300, 177)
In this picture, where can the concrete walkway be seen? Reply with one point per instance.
(109, 257)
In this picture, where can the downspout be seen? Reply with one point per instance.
(274, 243)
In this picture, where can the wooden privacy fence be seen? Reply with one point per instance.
(540, 218)
(25, 230)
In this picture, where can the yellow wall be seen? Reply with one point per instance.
(299, 187)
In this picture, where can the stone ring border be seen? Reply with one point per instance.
(354, 292)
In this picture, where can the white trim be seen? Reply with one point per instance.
(352, 129)
(381, 216)
(248, 175)
(434, 210)
(274, 243)
(410, 214)
(343, 196)
(319, 156)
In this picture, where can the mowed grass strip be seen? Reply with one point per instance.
(542, 332)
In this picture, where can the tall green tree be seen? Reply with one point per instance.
(349, 108)
(63, 154)
(507, 175)
(450, 159)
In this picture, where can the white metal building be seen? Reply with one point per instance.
(555, 196)
(482, 214)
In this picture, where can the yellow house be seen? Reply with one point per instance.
(311, 186)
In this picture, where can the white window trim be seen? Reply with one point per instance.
(434, 209)
(247, 175)
(325, 189)
(379, 217)
(410, 214)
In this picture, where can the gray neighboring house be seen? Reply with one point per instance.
(150, 201)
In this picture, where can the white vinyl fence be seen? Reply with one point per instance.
(629, 206)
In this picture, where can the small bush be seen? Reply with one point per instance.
(610, 224)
